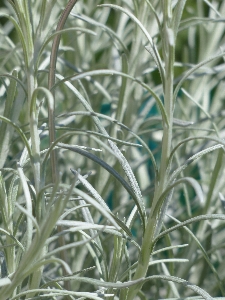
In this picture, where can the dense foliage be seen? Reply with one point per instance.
(112, 149)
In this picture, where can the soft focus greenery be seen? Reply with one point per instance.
(112, 162)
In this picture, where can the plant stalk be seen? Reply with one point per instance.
(148, 244)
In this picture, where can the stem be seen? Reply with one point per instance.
(148, 239)
(22, 11)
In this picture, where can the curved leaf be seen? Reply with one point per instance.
(192, 159)
(190, 221)
(204, 254)
(192, 70)
(154, 52)
(109, 169)
(114, 72)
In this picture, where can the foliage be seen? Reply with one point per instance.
(112, 149)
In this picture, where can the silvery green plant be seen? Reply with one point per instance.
(112, 149)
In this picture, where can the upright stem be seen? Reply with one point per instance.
(26, 27)
(148, 239)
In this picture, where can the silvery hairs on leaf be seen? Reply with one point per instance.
(130, 175)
